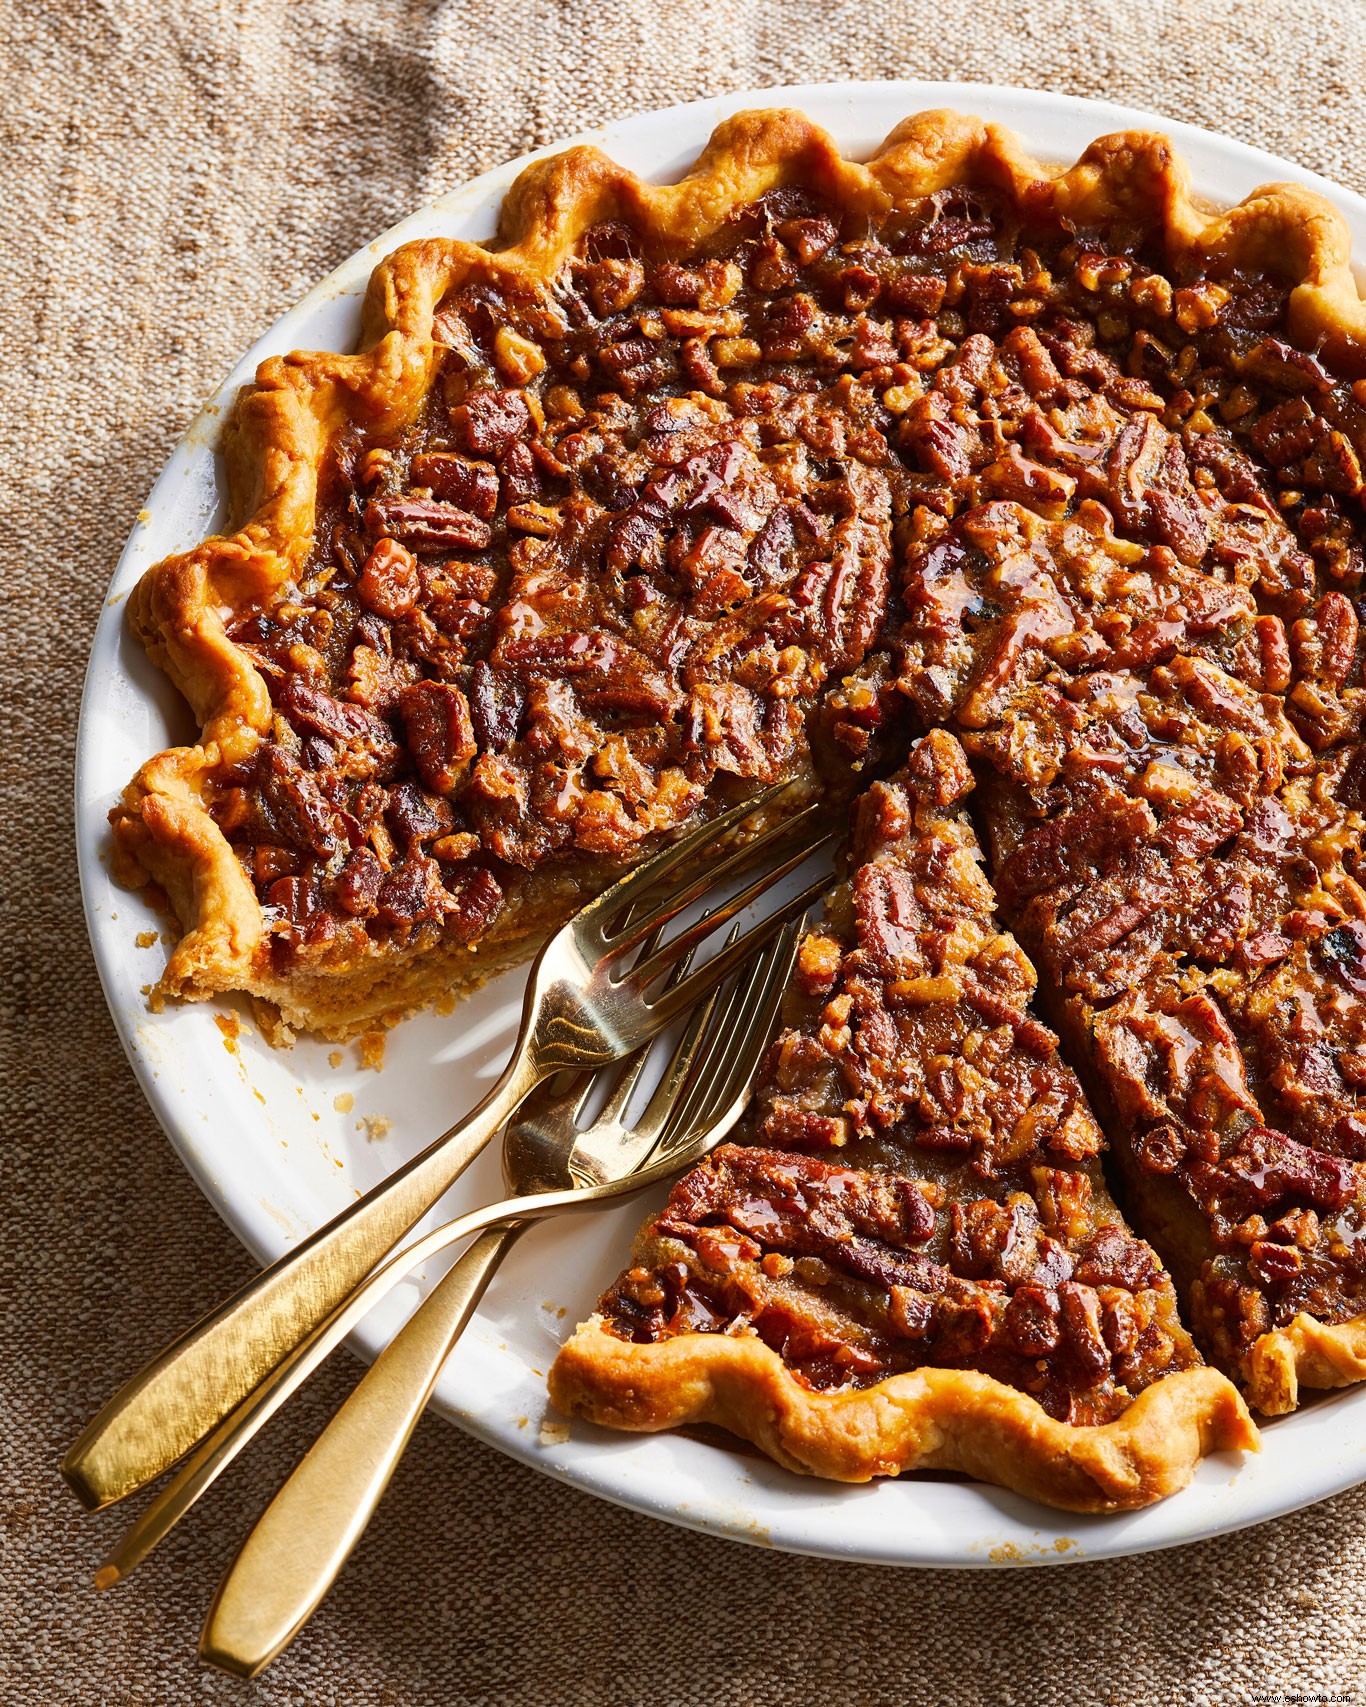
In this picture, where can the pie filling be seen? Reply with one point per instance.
(680, 524)
(639, 533)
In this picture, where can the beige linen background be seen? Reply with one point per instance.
(173, 178)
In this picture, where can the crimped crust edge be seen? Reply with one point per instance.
(1306, 1353)
(938, 1419)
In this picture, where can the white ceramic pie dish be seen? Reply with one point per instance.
(279, 1141)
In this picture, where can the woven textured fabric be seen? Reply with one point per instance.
(173, 178)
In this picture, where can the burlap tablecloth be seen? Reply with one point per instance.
(173, 177)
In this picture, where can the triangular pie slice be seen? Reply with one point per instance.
(909, 1258)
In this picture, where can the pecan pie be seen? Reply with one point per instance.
(766, 474)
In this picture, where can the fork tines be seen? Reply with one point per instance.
(633, 913)
(651, 895)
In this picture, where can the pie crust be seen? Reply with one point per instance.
(189, 609)
(931, 1419)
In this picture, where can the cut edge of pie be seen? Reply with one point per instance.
(277, 436)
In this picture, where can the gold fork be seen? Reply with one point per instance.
(588, 1002)
(308, 1531)
(547, 1121)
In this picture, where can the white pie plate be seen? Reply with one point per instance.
(261, 1131)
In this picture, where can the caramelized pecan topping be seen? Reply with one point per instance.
(833, 1267)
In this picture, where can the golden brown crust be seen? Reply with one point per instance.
(1308, 1353)
(281, 426)
(931, 1419)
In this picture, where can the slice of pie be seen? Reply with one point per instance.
(911, 1259)
(681, 490)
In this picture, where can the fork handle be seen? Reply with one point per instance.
(182, 1394)
(307, 1532)
(219, 1449)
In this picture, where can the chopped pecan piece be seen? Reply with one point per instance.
(412, 892)
(471, 486)
(488, 422)
(427, 524)
(440, 733)
(389, 583)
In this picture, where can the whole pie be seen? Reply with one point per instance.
(1022, 508)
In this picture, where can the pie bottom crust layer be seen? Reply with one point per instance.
(927, 1419)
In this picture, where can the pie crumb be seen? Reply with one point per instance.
(554, 1433)
(370, 1048)
(145, 939)
(376, 1126)
(335, 1057)
(344, 1103)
